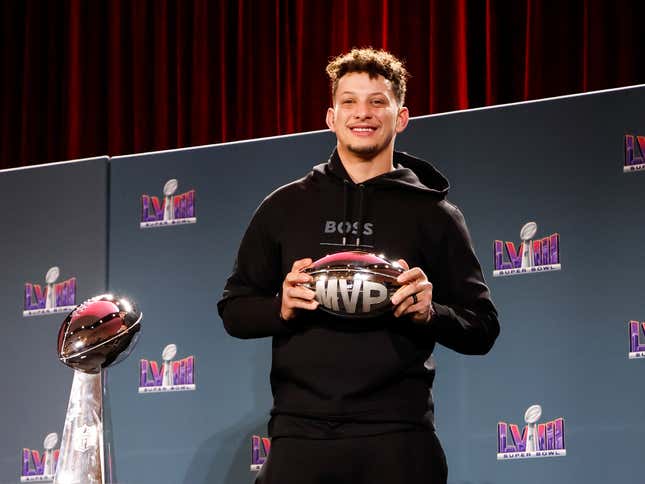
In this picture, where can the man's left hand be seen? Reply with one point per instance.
(414, 297)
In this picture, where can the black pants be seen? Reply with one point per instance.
(414, 457)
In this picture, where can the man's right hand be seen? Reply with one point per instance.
(294, 296)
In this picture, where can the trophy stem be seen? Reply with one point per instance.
(531, 438)
(527, 254)
(81, 459)
(109, 475)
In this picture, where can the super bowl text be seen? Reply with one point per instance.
(550, 441)
(532, 256)
(54, 297)
(170, 376)
(173, 210)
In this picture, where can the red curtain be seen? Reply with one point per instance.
(82, 78)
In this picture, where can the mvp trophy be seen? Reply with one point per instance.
(100, 332)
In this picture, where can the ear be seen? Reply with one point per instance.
(402, 119)
(329, 119)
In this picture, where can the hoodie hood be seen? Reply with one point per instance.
(409, 172)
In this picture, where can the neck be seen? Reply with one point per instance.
(361, 169)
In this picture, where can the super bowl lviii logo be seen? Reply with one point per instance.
(171, 376)
(540, 255)
(37, 467)
(634, 153)
(260, 448)
(636, 348)
(53, 297)
(173, 210)
(536, 440)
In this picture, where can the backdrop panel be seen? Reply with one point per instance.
(564, 336)
(177, 274)
(53, 216)
(564, 339)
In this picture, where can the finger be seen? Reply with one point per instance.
(403, 306)
(411, 275)
(301, 264)
(299, 292)
(418, 308)
(404, 292)
(423, 289)
(407, 294)
(294, 278)
(403, 264)
(418, 311)
(302, 304)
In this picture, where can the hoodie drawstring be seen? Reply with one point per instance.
(361, 191)
(345, 209)
(361, 215)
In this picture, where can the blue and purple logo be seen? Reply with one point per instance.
(54, 297)
(173, 210)
(260, 447)
(171, 376)
(636, 348)
(536, 439)
(532, 256)
(634, 153)
(37, 467)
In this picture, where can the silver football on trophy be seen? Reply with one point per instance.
(354, 284)
(98, 333)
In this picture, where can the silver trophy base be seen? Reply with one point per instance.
(82, 452)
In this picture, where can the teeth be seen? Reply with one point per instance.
(362, 129)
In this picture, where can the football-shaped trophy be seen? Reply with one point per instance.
(354, 284)
(98, 333)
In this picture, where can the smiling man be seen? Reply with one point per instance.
(366, 117)
(352, 399)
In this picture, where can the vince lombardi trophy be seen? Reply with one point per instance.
(97, 334)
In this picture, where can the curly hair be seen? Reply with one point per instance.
(373, 62)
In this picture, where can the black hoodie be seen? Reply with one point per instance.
(378, 370)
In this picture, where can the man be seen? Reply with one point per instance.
(352, 400)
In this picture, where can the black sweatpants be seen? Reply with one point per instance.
(413, 457)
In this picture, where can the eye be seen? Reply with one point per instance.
(347, 101)
(378, 101)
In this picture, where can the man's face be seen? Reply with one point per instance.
(365, 115)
